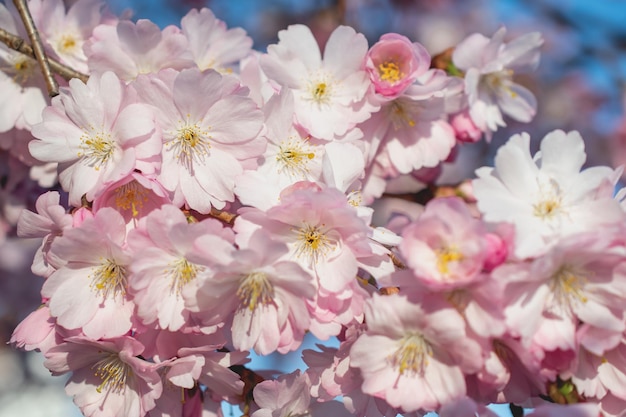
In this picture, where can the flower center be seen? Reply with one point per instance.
(499, 81)
(399, 116)
(549, 204)
(567, 285)
(320, 90)
(96, 149)
(130, 196)
(67, 44)
(182, 273)
(109, 279)
(255, 289)
(445, 256)
(293, 156)
(21, 66)
(113, 372)
(190, 144)
(313, 242)
(412, 355)
(389, 71)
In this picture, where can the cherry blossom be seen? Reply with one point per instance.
(108, 377)
(130, 49)
(412, 346)
(212, 200)
(211, 44)
(489, 66)
(330, 91)
(546, 197)
(89, 288)
(209, 127)
(97, 139)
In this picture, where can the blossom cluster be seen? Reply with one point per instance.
(222, 200)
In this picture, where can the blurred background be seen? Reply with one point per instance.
(580, 85)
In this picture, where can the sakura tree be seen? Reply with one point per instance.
(198, 200)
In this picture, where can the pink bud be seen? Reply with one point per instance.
(464, 128)
(496, 251)
(80, 215)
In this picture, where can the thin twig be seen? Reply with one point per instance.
(18, 44)
(35, 40)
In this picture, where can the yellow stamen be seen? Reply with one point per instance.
(390, 71)
(255, 289)
(293, 157)
(399, 116)
(412, 355)
(567, 285)
(190, 144)
(445, 256)
(113, 372)
(313, 242)
(131, 196)
(182, 273)
(96, 149)
(109, 279)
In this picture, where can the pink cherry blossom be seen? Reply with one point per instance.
(21, 83)
(546, 197)
(445, 247)
(330, 91)
(322, 230)
(166, 261)
(134, 197)
(410, 132)
(581, 280)
(394, 62)
(66, 31)
(289, 396)
(489, 65)
(414, 347)
(211, 44)
(464, 128)
(263, 297)
(48, 223)
(291, 156)
(209, 127)
(89, 288)
(108, 377)
(596, 375)
(37, 331)
(97, 134)
(130, 49)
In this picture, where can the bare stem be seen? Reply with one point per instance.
(37, 46)
(18, 44)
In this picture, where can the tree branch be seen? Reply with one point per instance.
(37, 47)
(18, 44)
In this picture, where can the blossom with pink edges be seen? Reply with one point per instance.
(414, 347)
(108, 377)
(98, 134)
(166, 261)
(211, 44)
(549, 196)
(489, 65)
(330, 91)
(394, 62)
(88, 290)
(209, 128)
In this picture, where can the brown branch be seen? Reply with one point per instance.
(18, 44)
(37, 46)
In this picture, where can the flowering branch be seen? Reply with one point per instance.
(37, 47)
(18, 44)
